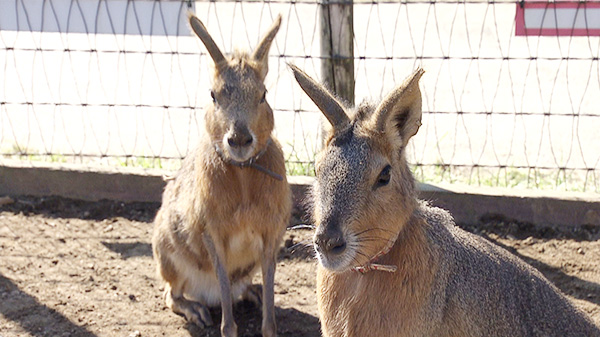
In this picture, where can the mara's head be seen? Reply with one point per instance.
(239, 120)
(364, 191)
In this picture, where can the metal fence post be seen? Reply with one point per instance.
(337, 49)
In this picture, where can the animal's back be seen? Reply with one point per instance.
(487, 291)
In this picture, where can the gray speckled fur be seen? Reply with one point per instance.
(494, 292)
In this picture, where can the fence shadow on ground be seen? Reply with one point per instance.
(60, 207)
(504, 227)
(130, 249)
(34, 320)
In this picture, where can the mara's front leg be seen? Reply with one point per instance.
(228, 326)
(269, 327)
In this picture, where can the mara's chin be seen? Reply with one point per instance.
(336, 264)
(240, 155)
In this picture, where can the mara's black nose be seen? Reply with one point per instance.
(331, 242)
(240, 139)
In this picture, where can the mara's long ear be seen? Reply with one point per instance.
(329, 106)
(261, 53)
(200, 30)
(399, 114)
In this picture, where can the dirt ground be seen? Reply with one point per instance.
(73, 268)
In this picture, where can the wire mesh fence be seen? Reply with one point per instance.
(119, 82)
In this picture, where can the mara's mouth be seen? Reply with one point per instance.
(343, 252)
(239, 147)
(236, 154)
(337, 259)
(336, 264)
(239, 155)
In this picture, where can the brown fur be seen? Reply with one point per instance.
(220, 223)
(448, 282)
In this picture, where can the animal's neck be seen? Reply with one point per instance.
(251, 163)
(374, 265)
(411, 252)
(414, 252)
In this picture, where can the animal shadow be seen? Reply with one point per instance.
(290, 322)
(32, 316)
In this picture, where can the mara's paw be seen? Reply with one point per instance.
(194, 312)
(200, 315)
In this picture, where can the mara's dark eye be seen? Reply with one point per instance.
(263, 98)
(212, 94)
(384, 177)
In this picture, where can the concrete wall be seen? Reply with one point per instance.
(468, 204)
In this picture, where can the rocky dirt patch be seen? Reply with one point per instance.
(73, 268)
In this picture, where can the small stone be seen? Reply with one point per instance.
(6, 201)
(136, 333)
(529, 240)
(580, 251)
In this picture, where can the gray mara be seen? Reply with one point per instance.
(391, 265)
(224, 214)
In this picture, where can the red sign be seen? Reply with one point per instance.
(558, 18)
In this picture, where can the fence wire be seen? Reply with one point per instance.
(118, 82)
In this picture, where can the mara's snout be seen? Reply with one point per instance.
(332, 248)
(239, 143)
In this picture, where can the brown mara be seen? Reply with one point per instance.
(391, 265)
(224, 214)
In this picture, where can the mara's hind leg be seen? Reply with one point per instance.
(194, 312)
(253, 293)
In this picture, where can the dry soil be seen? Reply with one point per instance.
(74, 268)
